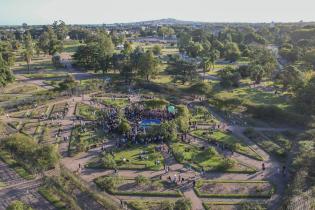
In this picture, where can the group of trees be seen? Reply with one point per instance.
(98, 54)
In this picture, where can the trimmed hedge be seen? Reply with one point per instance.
(149, 194)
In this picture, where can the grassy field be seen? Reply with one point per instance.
(118, 102)
(252, 96)
(228, 140)
(129, 158)
(86, 111)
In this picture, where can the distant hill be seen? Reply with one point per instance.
(167, 21)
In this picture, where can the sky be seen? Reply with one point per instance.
(16, 12)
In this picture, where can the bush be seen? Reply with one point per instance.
(142, 180)
(183, 204)
(109, 183)
(251, 206)
(124, 126)
(18, 205)
(199, 88)
(108, 161)
(167, 205)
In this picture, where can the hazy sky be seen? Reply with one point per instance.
(109, 11)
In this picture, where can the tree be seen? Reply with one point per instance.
(157, 50)
(108, 161)
(49, 43)
(105, 52)
(7, 54)
(183, 41)
(206, 64)
(184, 71)
(194, 49)
(305, 98)
(6, 75)
(232, 52)
(69, 83)
(29, 50)
(263, 57)
(60, 29)
(148, 65)
(230, 77)
(291, 77)
(257, 73)
(165, 31)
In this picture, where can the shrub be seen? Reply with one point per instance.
(124, 126)
(183, 204)
(156, 185)
(167, 205)
(108, 161)
(18, 205)
(251, 206)
(109, 183)
(203, 88)
(142, 180)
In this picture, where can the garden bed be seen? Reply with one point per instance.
(135, 157)
(149, 205)
(124, 186)
(207, 159)
(233, 189)
(232, 205)
(228, 140)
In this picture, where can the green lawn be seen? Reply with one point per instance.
(207, 159)
(45, 75)
(118, 102)
(229, 140)
(86, 111)
(275, 144)
(132, 158)
(252, 96)
(82, 140)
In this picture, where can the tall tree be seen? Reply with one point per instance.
(206, 64)
(61, 29)
(29, 50)
(6, 75)
(49, 43)
(149, 65)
